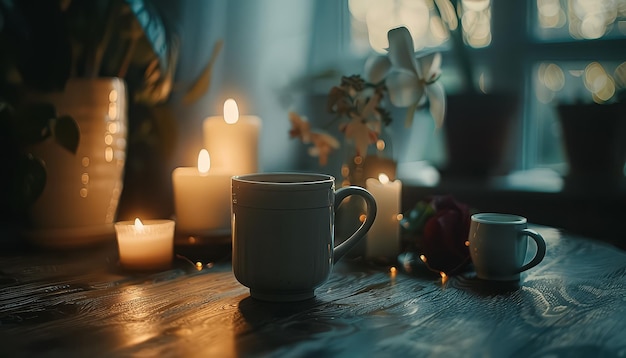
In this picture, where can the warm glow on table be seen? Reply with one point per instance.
(147, 245)
(232, 140)
(201, 197)
(383, 239)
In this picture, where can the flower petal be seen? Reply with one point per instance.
(376, 68)
(437, 97)
(401, 50)
(300, 127)
(430, 66)
(404, 88)
(319, 138)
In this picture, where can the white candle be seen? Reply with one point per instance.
(201, 198)
(145, 245)
(383, 238)
(233, 140)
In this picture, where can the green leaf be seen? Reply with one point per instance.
(157, 85)
(33, 122)
(415, 220)
(29, 180)
(201, 86)
(67, 133)
(154, 29)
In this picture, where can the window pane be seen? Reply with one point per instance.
(561, 20)
(569, 82)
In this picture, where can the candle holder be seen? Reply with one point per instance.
(147, 246)
(211, 246)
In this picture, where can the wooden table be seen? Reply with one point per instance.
(82, 304)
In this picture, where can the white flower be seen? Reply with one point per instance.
(409, 79)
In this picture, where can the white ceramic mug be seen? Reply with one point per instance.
(498, 245)
(283, 232)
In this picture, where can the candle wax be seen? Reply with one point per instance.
(233, 147)
(201, 200)
(147, 248)
(383, 238)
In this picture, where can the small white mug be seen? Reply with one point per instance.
(283, 232)
(498, 244)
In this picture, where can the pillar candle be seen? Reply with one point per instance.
(145, 245)
(202, 198)
(233, 140)
(383, 238)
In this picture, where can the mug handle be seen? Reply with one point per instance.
(370, 215)
(541, 248)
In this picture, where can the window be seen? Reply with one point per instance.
(580, 46)
(549, 51)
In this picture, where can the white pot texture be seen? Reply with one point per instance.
(80, 199)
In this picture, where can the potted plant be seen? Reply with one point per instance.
(116, 57)
(24, 173)
(478, 124)
(26, 122)
(594, 135)
(360, 112)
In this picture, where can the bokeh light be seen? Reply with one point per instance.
(601, 86)
(585, 19)
(373, 19)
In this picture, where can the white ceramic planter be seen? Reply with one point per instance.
(79, 203)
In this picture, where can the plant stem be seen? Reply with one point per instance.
(109, 26)
(128, 56)
(463, 58)
(458, 45)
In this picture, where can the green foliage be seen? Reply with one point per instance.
(21, 127)
(28, 181)
(66, 133)
(32, 122)
(45, 43)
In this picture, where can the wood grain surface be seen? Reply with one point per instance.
(81, 304)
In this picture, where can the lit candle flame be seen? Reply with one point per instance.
(204, 161)
(383, 178)
(231, 112)
(138, 225)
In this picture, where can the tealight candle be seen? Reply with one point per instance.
(383, 238)
(145, 245)
(201, 198)
(233, 140)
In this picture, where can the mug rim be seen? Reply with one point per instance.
(264, 178)
(499, 218)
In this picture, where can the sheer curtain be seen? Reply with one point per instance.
(267, 44)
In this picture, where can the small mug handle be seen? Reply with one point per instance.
(541, 248)
(370, 215)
